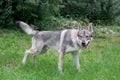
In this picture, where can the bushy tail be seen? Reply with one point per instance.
(26, 27)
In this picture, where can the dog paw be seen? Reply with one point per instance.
(23, 62)
(79, 70)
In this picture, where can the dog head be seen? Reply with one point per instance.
(84, 36)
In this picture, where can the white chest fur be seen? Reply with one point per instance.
(70, 49)
(74, 40)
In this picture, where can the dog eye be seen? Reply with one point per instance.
(80, 36)
(91, 35)
(87, 36)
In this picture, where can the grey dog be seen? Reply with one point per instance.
(63, 41)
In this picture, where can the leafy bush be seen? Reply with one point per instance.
(45, 13)
(97, 11)
(35, 12)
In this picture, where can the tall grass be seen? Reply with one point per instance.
(101, 61)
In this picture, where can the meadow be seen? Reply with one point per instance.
(100, 61)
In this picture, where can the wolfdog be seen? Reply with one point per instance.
(63, 41)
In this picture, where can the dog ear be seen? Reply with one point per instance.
(79, 26)
(90, 27)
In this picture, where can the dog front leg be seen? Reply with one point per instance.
(60, 60)
(76, 61)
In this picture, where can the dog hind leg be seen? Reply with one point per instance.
(41, 50)
(37, 47)
(27, 52)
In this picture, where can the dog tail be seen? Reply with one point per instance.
(26, 27)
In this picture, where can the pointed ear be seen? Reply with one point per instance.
(90, 27)
(79, 26)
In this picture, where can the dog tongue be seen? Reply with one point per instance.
(84, 46)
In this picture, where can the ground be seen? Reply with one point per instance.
(100, 61)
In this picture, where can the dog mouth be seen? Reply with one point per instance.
(84, 46)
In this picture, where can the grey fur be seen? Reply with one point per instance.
(64, 41)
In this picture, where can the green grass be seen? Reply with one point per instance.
(101, 61)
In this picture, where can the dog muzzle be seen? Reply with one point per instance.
(84, 45)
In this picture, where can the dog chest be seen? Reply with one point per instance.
(71, 49)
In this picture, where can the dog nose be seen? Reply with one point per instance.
(83, 43)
